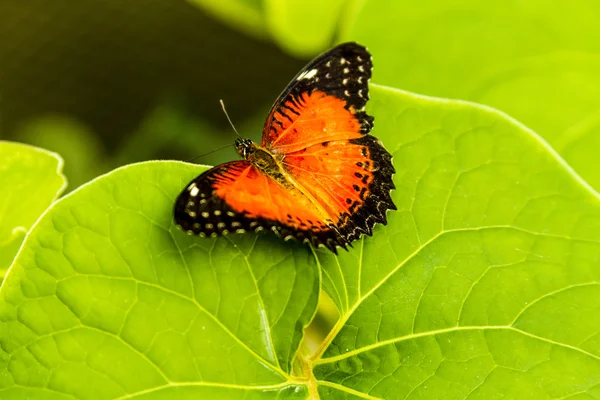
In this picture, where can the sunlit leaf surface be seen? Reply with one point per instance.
(109, 300)
(30, 178)
(484, 284)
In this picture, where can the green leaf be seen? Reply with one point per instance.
(485, 282)
(9, 249)
(107, 299)
(243, 15)
(536, 61)
(31, 179)
(303, 27)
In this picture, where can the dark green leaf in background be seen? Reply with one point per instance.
(244, 15)
(304, 27)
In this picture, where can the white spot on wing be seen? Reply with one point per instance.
(307, 74)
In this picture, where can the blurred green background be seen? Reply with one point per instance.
(106, 82)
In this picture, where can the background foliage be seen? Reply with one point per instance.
(483, 285)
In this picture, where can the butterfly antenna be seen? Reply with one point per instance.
(229, 119)
(210, 152)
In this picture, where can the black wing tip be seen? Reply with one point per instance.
(343, 71)
(349, 47)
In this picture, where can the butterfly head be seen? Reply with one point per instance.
(244, 147)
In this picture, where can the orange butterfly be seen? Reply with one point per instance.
(317, 176)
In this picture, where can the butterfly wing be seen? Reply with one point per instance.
(320, 129)
(339, 178)
(236, 197)
(352, 180)
(323, 102)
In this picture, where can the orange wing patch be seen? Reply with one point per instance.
(236, 197)
(252, 193)
(308, 119)
(338, 173)
(351, 179)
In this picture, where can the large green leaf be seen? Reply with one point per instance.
(535, 60)
(107, 299)
(485, 282)
(30, 178)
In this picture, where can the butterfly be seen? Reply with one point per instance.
(317, 175)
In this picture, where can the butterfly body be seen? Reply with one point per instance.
(263, 160)
(316, 177)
